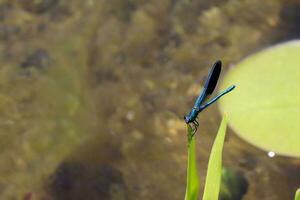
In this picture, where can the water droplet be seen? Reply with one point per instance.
(271, 154)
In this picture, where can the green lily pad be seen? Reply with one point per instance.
(264, 109)
(297, 195)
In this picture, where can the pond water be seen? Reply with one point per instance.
(92, 95)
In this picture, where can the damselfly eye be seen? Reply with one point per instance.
(186, 119)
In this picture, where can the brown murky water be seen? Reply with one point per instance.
(92, 95)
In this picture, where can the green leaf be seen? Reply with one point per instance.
(192, 188)
(265, 108)
(297, 195)
(214, 170)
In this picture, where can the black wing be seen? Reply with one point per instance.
(213, 77)
(210, 83)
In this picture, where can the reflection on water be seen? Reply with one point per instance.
(92, 95)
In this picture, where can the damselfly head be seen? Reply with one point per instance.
(187, 119)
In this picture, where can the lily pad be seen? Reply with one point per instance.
(265, 107)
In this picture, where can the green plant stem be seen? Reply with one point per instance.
(192, 188)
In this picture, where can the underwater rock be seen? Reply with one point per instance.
(40, 6)
(39, 59)
(290, 12)
(8, 31)
(80, 182)
(4, 10)
(123, 9)
(105, 75)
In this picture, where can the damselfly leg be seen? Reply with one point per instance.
(196, 122)
(195, 127)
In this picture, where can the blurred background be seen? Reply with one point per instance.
(93, 93)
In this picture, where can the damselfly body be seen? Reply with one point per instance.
(209, 87)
